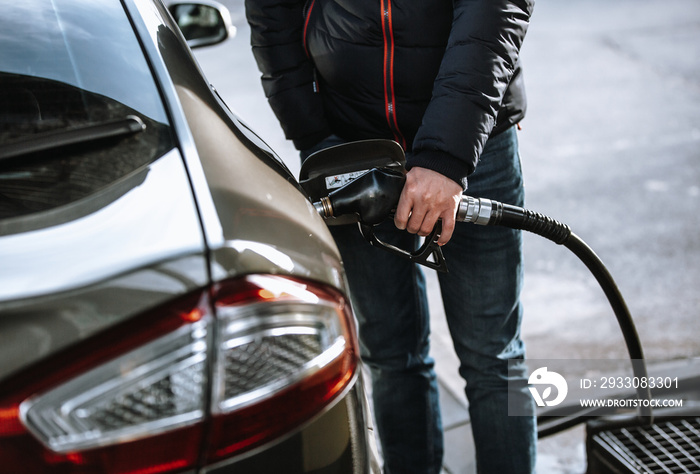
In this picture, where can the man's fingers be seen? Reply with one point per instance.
(448, 227)
(419, 221)
(426, 225)
(403, 212)
(426, 197)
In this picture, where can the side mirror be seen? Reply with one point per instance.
(203, 23)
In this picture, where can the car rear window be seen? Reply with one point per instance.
(79, 108)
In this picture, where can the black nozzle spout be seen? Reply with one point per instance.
(373, 196)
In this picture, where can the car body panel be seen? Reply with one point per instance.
(151, 221)
(151, 227)
(329, 444)
(241, 224)
(249, 197)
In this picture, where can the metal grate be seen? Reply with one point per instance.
(267, 360)
(671, 446)
(175, 393)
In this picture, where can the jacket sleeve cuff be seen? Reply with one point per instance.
(443, 163)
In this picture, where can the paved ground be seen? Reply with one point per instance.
(611, 146)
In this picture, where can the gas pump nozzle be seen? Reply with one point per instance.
(373, 197)
(361, 182)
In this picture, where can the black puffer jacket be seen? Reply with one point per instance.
(438, 76)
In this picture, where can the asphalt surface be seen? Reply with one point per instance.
(611, 147)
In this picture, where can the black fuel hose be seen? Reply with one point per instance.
(487, 212)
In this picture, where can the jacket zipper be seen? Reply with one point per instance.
(307, 15)
(389, 95)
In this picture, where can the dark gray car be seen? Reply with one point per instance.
(170, 301)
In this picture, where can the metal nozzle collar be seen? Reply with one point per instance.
(324, 207)
(474, 210)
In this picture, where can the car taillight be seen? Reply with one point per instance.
(131, 399)
(285, 349)
(203, 378)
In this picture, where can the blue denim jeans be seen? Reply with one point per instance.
(481, 300)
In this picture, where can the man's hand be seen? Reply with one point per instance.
(427, 197)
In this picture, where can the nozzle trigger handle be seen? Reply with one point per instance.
(429, 254)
